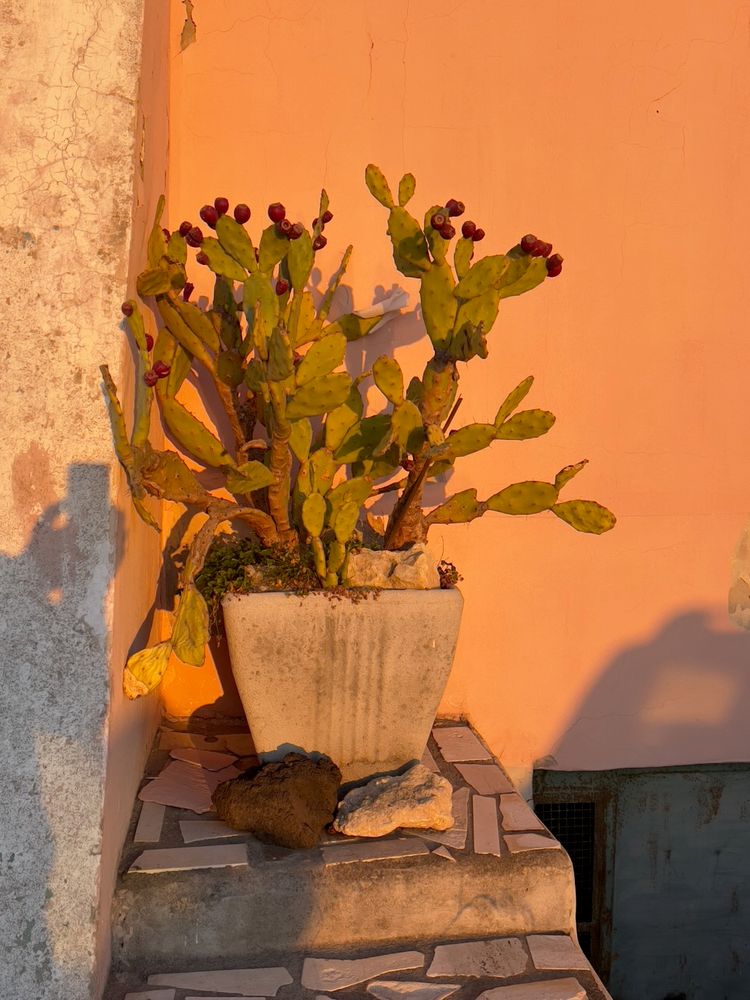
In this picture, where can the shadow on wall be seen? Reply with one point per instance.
(682, 697)
(54, 639)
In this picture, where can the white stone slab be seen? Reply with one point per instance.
(401, 989)
(153, 995)
(185, 786)
(150, 823)
(194, 830)
(555, 951)
(212, 760)
(338, 974)
(519, 842)
(459, 743)
(178, 859)
(429, 761)
(486, 830)
(246, 982)
(380, 850)
(517, 814)
(223, 996)
(496, 957)
(443, 852)
(456, 836)
(548, 989)
(487, 779)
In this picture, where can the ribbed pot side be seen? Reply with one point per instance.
(358, 680)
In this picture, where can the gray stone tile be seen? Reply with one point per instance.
(194, 830)
(487, 779)
(519, 842)
(153, 995)
(547, 989)
(150, 823)
(245, 982)
(178, 859)
(518, 815)
(402, 989)
(443, 852)
(456, 836)
(338, 974)
(486, 830)
(555, 951)
(378, 850)
(458, 743)
(495, 957)
(212, 760)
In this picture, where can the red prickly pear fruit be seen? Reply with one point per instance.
(150, 377)
(149, 342)
(544, 249)
(209, 215)
(319, 242)
(478, 235)
(296, 231)
(160, 369)
(202, 258)
(257, 255)
(407, 464)
(283, 227)
(438, 220)
(314, 222)
(447, 231)
(554, 265)
(468, 229)
(194, 238)
(242, 213)
(185, 228)
(528, 242)
(221, 205)
(282, 286)
(187, 290)
(326, 217)
(455, 208)
(167, 234)
(127, 308)
(276, 212)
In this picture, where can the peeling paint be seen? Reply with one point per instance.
(189, 28)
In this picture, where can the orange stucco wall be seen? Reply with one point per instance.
(621, 133)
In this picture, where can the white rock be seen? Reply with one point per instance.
(333, 974)
(418, 799)
(496, 957)
(402, 989)
(411, 569)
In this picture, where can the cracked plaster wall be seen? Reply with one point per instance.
(619, 132)
(73, 596)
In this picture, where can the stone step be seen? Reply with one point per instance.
(530, 967)
(192, 895)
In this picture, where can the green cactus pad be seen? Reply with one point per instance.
(439, 306)
(526, 424)
(260, 300)
(236, 242)
(324, 355)
(220, 262)
(438, 246)
(345, 520)
(170, 478)
(280, 356)
(585, 515)
(155, 281)
(389, 379)
(407, 429)
(229, 368)
(157, 244)
(343, 418)
(117, 421)
(513, 399)
(378, 185)
(523, 274)
(486, 273)
(320, 559)
(468, 342)
(479, 311)
(414, 390)
(462, 256)
(409, 243)
(272, 249)
(458, 509)
(362, 438)
(319, 396)
(193, 436)
(336, 556)
(313, 514)
(355, 491)
(406, 188)
(564, 476)
(198, 322)
(301, 318)
(177, 249)
(190, 632)
(467, 440)
(145, 669)
(182, 332)
(322, 470)
(300, 261)
(301, 438)
(523, 498)
(353, 326)
(249, 477)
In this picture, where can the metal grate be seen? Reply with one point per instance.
(573, 823)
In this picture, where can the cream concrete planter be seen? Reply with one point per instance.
(360, 682)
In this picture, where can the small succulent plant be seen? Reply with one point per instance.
(274, 359)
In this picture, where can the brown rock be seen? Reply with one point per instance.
(289, 802)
